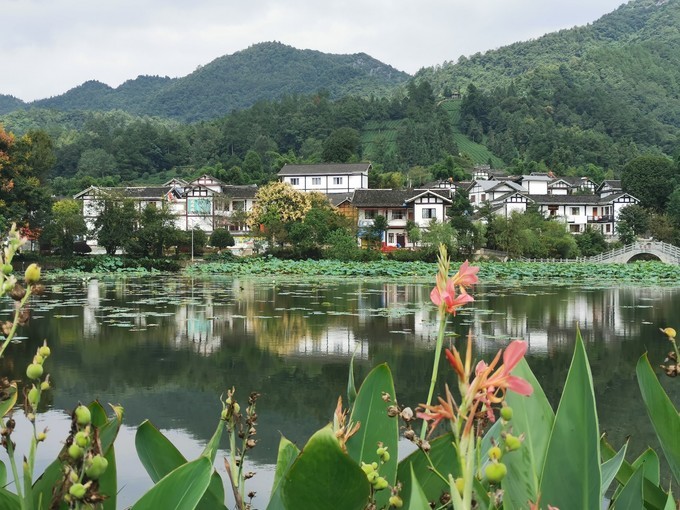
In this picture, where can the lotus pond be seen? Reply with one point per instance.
(166, 348)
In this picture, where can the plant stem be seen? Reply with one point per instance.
(15, 472)
(15, 324)
(435, 364)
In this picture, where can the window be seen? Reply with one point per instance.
(398, 214)
(369, 214)
(552, 209)
(295, 181)
(472, 199)
(575, 211)
(316, 181)
(608, 228)
(430, 213)
(574, 228)
(483, 197)
(238, 205)
(337, 180)
(390, 238)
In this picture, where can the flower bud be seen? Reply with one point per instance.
(75, 451)
(380, 484)
(460, 485)
(495, 453)
(77, 490)
(40, 437)
(512, 443)
(34, 397)
(506, 413)
(45, 385)
(38, 359)
(44, 350)
(396, 502)
(32, 274)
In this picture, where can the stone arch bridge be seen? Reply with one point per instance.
(663, 251)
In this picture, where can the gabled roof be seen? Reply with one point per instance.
(139, 192)
(337, 199)
(610, 184)
(234, 191)
(214, 180)
(443, 194)
(503, 198)
(325, 169)
(495, 185)
(381, 197)
(577, 200)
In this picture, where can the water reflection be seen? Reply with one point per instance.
(166, 348)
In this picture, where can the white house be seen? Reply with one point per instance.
(326, 178)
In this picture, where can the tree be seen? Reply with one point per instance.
(156, 231)
(67, 223)
(591, 242)
(460, 214)
(221, 238)
(117, 219)
(341, 145)
(413, 232)
(651, 179)
(375, 233)
(439, 233)
(637, 217)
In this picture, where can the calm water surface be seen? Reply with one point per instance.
(166, 348)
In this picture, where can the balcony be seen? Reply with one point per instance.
(606, 218)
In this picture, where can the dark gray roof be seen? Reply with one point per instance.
(338, 198)
(392, 197)
(575, 199)
(325, 169)
(235, 191)
(151, 192)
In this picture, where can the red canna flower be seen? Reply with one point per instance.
(444, 411)
(447, 299)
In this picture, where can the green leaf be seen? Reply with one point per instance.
(9, 500)
(157, 453)
(533, 417)
(417, 498)
(351, 388)
(288, 452)
(3, 474)
(670, 502)
(443, 456)
(324, 477)
(8, 404)
(631, 494)
(370, 410)
(611, 467)
(654, 496)
(181, 489)
(651, 468)
(213, 445)
(108, 482)
(662, 413)
(571, 475)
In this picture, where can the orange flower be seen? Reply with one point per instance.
(466, 275)
(446, 298)
(435, 414)
(444, 293)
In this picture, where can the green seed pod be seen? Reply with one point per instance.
(385, 457)
(34, 371)
(237, 408)
(367, 468)
(75, 451)
(38, 359)
(506, 413)
(7, 268)
(41, 437)
(34, 397)
(32, 274)
(512, 443)
(380, 484)
(81, 439)
(77, 490)
(44, 350)
(83, 415)
(495, 453)
(495, 472)
(96, 467)
(45, 385)
(396, 502)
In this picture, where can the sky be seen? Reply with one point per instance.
(51, 46)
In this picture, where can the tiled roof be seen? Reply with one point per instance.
(338, 198)
(381, 197)
(151, 192)
(575, 199)
(234, 191)
(325, 169)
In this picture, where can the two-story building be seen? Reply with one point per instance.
(326, 178)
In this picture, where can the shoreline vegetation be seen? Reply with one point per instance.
(647, 273)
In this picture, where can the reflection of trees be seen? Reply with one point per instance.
(161, 374)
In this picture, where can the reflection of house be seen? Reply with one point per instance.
(204, 203)
(326, 178)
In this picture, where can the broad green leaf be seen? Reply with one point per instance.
(42, 488)
(370, 410)
(631, 494)
(324, 477)
(288, 452)
(533, 417)
(9, 500)
(417, 498)
(662, 413)
(654, 496)
(3, 474)
(159, 457)
(611, 467)
(651, 469)
(571, 474)
(181, 489)
(213, 445)
(443, 456)
(670, 502)
(157, 453)
(108, 427)
(8, 404)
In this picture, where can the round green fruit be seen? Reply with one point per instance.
(495, 472)
(34, 371)
(83, 415)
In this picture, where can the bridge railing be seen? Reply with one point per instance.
(637, 247)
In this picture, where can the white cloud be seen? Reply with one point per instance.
(51, 46)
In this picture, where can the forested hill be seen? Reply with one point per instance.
(232, 82)
(597, 94)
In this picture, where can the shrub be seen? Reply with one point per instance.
(222, 238)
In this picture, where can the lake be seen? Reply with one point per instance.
(167, 347)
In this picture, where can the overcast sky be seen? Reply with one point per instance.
(50, 46)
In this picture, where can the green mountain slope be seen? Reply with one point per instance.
(232, 82)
